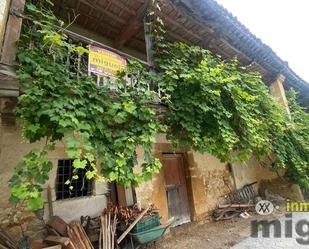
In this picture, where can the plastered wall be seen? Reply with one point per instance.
(13, 147)
(208, 181)
(251, 171)
(211, 181)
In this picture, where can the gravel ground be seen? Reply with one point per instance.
(217, 235)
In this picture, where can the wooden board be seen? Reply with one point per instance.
(58, 240)
(4, 247)
(53, 247)
(78, 237)
(59, 225)
(124, 234)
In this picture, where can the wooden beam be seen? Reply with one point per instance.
(121, 196)
(12, 32)
(76, 36)
(133, 26)
(180, 26)
(58, 240)
(122, 236)
(105, 12)
(123, 6)
(185, 8)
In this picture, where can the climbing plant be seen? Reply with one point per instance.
(214, 106)
(223, 109)
(100, 126)
(291, 145)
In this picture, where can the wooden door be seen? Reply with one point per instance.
(176, 188)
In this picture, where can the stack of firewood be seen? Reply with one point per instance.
(127, 215)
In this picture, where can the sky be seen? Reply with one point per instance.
(281, 24)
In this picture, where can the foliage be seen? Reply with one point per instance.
(223, 109)
(215, 106)
(291, 146)
(31, 172)
(99, 125)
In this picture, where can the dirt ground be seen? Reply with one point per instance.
(211, 234)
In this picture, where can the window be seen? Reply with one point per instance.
(81, 186)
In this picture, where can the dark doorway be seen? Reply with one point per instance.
(122, 196)
(176, 188)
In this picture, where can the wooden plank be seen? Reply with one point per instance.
(180, 26)
(121, 194)
(108, 230)
(12, 33)
(70, 246)
(73, 238)
(59, 225)
(80, 240)
(3, 247)
(85, 236)
(121, 5)
(80, 236)
(50, 203)
(53, 247)
(122, 236)
(110, 14)
(7, 240)
(235, 205)
(114, 230)
(59, 240)
(103, 232)
(52, 231)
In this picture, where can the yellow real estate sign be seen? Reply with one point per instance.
(104, 62)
